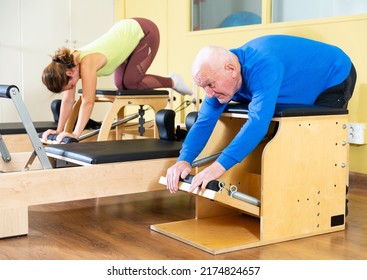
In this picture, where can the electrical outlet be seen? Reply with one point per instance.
(357, 133)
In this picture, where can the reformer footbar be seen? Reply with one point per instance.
(130, 167)
(12, 92)
(52, 137)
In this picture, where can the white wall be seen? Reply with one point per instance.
(30, 32)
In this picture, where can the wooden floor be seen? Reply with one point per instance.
(118, 228)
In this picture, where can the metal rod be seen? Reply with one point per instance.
(4, 150)
(246, 198)
(29, 127)
(204, 160)
(115, 124)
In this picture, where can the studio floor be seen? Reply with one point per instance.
(118, 228)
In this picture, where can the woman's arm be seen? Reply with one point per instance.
(88, 73)
(88, 99)
(67, 103)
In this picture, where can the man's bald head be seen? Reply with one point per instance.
(218, 72)
(210, 58)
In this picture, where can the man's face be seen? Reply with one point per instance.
(220, 84)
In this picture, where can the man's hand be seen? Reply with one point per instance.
(182, 168)
(212, 172)
(179, 169)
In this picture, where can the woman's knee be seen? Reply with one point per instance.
(131, 82)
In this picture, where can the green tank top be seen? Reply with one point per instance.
(117, 45)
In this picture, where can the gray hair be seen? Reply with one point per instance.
(211, 57)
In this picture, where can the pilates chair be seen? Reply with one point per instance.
(156, 99)
(297, 176)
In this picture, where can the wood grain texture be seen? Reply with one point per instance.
(118, 228)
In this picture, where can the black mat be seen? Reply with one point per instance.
(290, 110)
(116, 151)
(18, 127)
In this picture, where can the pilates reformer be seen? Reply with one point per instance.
(96, 169)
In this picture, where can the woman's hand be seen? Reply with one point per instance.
(64, 134)
(47, 133)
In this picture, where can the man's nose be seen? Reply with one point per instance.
(209, 91)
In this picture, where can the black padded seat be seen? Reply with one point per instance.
(18, 127)
(117, 92)
(289, 110)
(116, 151)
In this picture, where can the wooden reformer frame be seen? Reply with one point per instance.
(29, 178)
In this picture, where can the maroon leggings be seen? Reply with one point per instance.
(132, 73)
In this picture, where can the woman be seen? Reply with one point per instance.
(127, 50)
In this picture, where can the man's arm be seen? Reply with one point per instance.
(195, 141)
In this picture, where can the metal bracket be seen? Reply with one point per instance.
(14, 94)
(4, 150)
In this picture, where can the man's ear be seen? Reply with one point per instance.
(231, 68)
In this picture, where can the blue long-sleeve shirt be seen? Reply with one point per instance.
(275, 69)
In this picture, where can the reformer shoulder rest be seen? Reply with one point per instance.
(289, 110)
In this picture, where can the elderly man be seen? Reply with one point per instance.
(265, 71)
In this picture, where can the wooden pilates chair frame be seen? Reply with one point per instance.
(26, 182)
(299, 173)
(156, 99)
